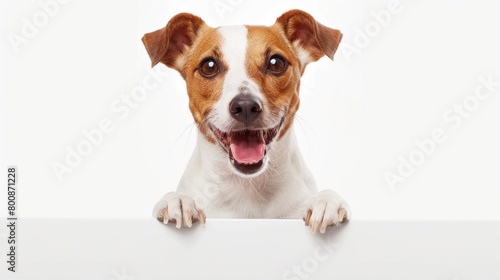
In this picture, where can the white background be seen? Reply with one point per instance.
(358, 114)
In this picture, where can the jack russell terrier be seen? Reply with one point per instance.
(243, 85)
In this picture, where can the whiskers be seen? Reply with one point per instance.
(188, 127)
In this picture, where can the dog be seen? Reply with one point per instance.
(243, 86)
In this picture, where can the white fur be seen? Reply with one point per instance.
(284, 189)
(233, 47)
(302, 54)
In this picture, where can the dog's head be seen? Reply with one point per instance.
(242, 81)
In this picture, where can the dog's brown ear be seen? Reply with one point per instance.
(317, 39)
(168, 44)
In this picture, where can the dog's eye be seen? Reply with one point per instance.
(276, 64)
(208, 68)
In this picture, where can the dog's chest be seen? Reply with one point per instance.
(258, 198)
(239, 198)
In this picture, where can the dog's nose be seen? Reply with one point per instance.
(245, 108)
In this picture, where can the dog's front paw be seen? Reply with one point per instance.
(179, 209)
(326, 209)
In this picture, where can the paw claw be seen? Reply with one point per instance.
(165, 215)
(188, 216)
(307, 218)
(201, 217)
(324, 225)
(342, 215)
(314, 227)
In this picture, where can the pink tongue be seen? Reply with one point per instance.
(247, 148)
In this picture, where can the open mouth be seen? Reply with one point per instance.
(246, 148)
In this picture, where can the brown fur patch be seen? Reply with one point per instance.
(167, 44)
(281, 91)
(313, 36)
(203, 92)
